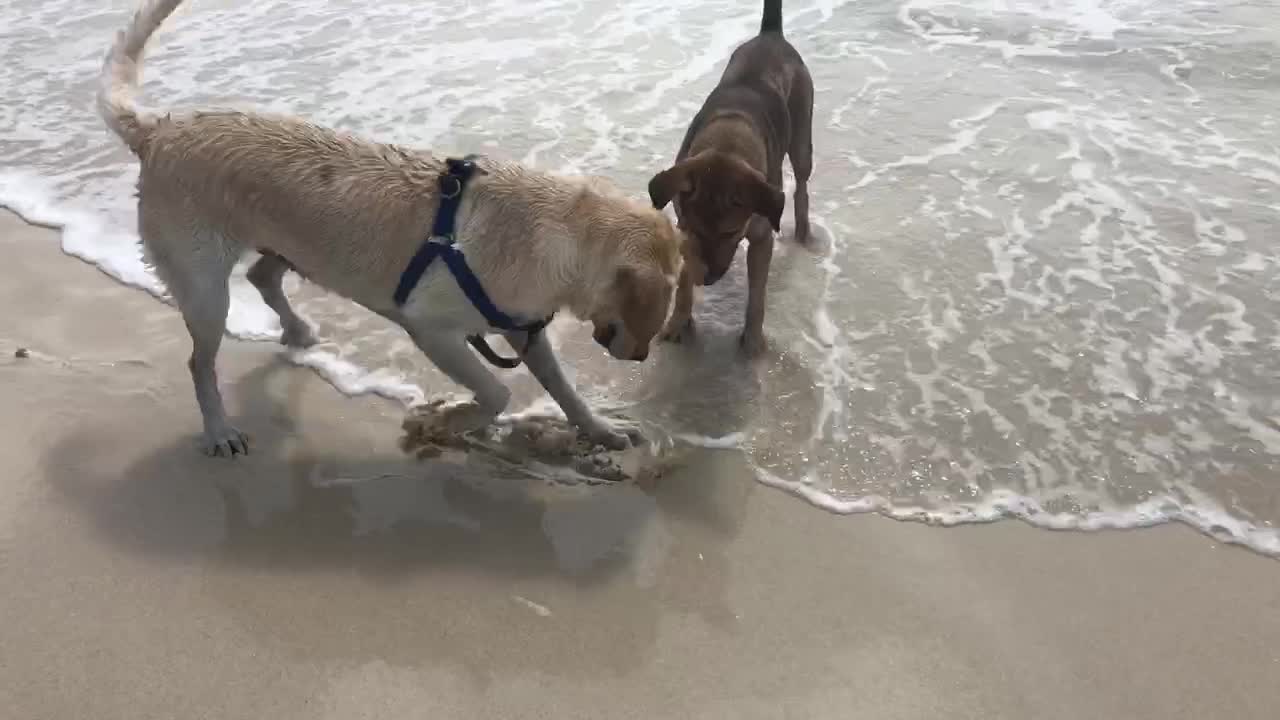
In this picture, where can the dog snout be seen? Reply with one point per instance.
(640, 355)
(604, 336)
(712, 276)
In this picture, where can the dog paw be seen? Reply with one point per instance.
(298, 336)
(677, 331)
(752, 344)
(803, 236)
(224, 441)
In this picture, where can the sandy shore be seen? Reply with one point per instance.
(326, 576)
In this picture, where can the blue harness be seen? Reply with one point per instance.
(452, 182)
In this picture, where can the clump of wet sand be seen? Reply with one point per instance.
(535, 440)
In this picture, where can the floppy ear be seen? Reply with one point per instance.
(677, 179)
(625, 280)
(768, 202)
(636, 287)
(667, 183)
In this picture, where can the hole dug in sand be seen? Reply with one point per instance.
(534, 444)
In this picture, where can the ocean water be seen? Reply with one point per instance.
(1047, 284)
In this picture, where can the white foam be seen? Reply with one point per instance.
(831, 343)
(1056, 24)
(732, 441)
(967, 130)
(90, 236)
(352, 380)
(726, 33)
(84, 234)
(538, 609)
(1203, 514)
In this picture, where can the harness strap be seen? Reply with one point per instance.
(452, 182)
(482, 346)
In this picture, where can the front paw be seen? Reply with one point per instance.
(752, 343)
(299, 336)
(619, 436)
(223, 440)
(803, 236)
(678, 329)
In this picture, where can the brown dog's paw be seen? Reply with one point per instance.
(803, 237)
(299, 336)
(752, 344)
(678, 331)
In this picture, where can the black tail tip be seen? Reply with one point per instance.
(772, 20)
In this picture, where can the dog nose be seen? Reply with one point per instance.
(604, 338)
(712, 276)
(641, 355)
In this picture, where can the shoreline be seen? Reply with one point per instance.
(327, 575)
(1001, 505)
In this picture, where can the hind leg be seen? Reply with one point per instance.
(205, 313)
(267, 274)
(197, 276)
(801, 150)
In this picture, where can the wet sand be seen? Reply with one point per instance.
(327, 576)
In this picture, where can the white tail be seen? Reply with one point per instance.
(120, 73)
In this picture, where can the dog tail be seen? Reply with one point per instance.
(772, 20)
(119, 81)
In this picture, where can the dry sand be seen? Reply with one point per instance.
(329, 576)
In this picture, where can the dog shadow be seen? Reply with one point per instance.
(406, 555)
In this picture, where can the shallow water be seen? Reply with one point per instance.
(1046, 288)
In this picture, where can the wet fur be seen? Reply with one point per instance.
(726, 183)
(348, 214)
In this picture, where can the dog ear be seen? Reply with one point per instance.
(677, 179)
(768, 202)
(624, 278)
(665, 185)
(628, 288)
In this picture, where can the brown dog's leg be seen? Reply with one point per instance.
(801, 151)
(680, 324)
(759, 255)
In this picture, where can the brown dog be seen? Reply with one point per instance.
(727, 179)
